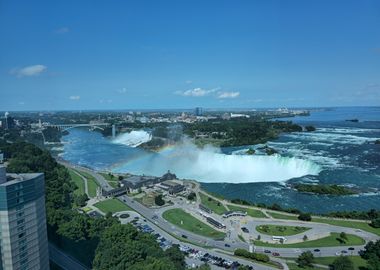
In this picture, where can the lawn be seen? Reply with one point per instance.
(87, 209)
(187, 222)
(212, 204)
(350, 224)
(113, 181)
(343, 223)
(251, 212)
(112, 205)
(282, 216)
(357, 260)
(91, 183)
(329, 241)
(278, 230)
(79, 182)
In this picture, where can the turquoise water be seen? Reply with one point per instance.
(338, 152)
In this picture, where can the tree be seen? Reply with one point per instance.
(124, 247)
(375, 223)
(371, 253)
(192, 196)
(342, 263)
(343, 237)
(306, 259)
(176, 256)
(120, 177)
(304, 217)
(81, 200)
(158, 200)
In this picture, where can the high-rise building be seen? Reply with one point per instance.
(7, 122)
(198, 111)
(23, 236)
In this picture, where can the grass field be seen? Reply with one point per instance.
(282, 216)
(251, 212)
(91, 183)
(79, 182)
(212, 204)
(280, 230)
(357, 260)
(87, 209)
(350, 224)
(329, 241)
(112, 205)
(187, 222)
(113, 181)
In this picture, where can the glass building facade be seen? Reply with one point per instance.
(23, 235)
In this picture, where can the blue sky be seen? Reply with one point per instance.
(181, 54)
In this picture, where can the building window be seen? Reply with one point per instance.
(22, 248)
(21, 221)
(23, 254)
(22, 241)
(21, 235)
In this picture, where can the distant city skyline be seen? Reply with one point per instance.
(96, 55)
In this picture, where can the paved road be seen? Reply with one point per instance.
(156, 227)
(220, 245)
(65, 261)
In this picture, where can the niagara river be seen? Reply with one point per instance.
(338, 152)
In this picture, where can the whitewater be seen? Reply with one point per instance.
(210, 165)
(133, 138)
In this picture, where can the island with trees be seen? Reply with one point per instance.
(324, 189)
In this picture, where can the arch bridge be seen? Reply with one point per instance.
(63, 127)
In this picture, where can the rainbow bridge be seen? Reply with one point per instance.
(63, 127)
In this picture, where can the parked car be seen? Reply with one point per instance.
(184, 236)
(267, 251)
(227, 245)
(244, 229)
(276, 254)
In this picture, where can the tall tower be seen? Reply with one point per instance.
(23, 241)
(113, 131)
(6, 115)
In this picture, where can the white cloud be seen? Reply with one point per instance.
(62, 30)
(196, 92)
(74, 97)
(228, 94)
(122, 90)
(188, 82)
(28, 71)
(105, 101)
(21, 103)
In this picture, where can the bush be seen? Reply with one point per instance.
(253, 256)
(304, 217)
